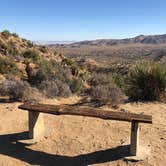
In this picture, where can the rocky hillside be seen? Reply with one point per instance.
(11, 45)
(27, 68)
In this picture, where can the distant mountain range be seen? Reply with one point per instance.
(141, 39)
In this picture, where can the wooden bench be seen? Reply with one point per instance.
(36, 125)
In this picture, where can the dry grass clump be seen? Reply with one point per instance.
(54, 88)
(14, 89)
(110, 95)
(104, 90)
(18, 90)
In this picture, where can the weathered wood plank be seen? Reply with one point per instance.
(91, 112)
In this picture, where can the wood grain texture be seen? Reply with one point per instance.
(90, 112)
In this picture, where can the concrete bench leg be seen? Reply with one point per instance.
(36, 125)
(134, 147)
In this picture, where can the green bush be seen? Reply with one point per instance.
(73, 66)
(119, 80)
(15, 35)
(31, 55)
(11, 48)
(84, 76)
(8, 66)
(43, 73)
(6, 34)
(8, 48)
(146, 81)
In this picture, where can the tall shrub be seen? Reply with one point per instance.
(146, 81)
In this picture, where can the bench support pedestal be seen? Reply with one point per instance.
(36, 125)
(134, 143)
(134, 139)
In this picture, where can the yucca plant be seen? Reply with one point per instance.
(146, 81)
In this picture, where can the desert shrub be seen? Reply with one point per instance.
(13, 88)
(8, 66)
(119, 80)
(104, 89)
(31, 55)
(146, 81)
(15, 35)
(36, 76)
(43, 49)
(12, 51)
(8, 48)
(54, 88)
(100, 79)
(64, 89)
(45, 71)
(6, 34)
(24, 40)
(3, 47)
(63, 73)
(73, 65)
(107, 94)
(55, 52)
(30, 44)
(11, 48)
(76, 85)
(49, 88)
(84, 75)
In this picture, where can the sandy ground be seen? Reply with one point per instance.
(80, 141)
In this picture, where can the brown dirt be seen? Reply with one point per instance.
(80, 141)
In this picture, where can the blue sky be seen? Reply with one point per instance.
(82, 19)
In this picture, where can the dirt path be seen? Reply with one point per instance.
(80, 141)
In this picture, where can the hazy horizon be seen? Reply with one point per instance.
(49, 42)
